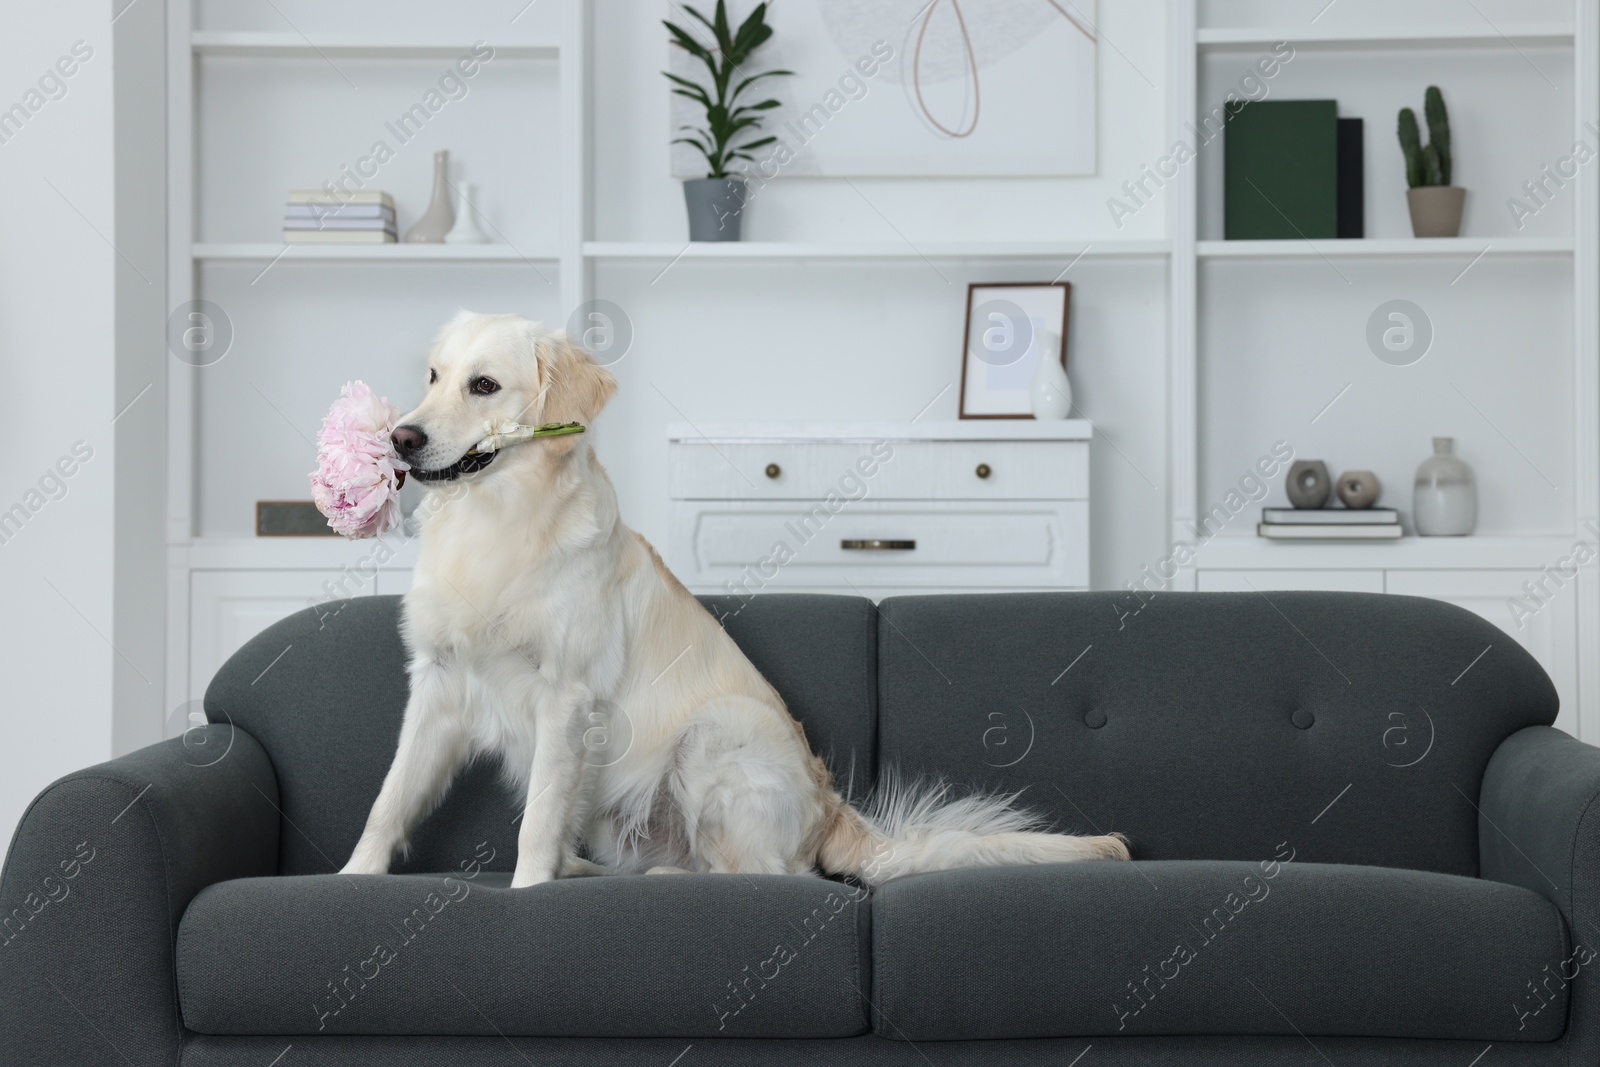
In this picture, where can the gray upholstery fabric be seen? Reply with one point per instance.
(695, 956)
(1540, 828)
(821, 654)
(863, 1052)
(1190, 947)
(325, 690)
(102, 866)
(1214, 725)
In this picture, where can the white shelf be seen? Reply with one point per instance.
(1525, 33)
(1400, 246)
(1441, 553)
(392, 253)
(296, 553)
(792, 250)
(217, 43)
(932, 430)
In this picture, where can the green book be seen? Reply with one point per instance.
(1282, 171)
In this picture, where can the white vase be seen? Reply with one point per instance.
(1050, 395)
(1445, 500)
(466, 230)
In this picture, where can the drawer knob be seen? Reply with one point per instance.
(773, 470)
(877, 545)
(983, 470)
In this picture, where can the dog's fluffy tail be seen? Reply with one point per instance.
(910, 828)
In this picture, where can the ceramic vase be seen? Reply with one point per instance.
(466, 230)
(1359, 489)
(1308, 485)
(436, 222)
(1050, 395)
(1445, 500)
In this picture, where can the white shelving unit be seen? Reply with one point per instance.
(782, 250)
(215, 43)
(222, 588)
(1442, 35)
(1463, 247)
(1193, 352)
(246, 251)
(1297, 309)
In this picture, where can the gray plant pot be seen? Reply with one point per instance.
(715, 207)
(1436, 210)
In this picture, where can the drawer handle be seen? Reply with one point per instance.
(875, 545)
(983, 470)
(773, 470)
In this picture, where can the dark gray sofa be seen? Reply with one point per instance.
(1357, 838)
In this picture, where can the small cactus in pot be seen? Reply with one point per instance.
(1435, 203)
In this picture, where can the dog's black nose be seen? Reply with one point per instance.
(408, 439)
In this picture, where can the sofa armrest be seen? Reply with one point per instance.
(1539, 828)
(99, 873)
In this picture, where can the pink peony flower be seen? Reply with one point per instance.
(358, 476)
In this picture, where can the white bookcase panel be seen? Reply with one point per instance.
(300, 332)
(1506, 120)
(465, 20)
(1430, 19)
(256, 140)
(1283, 356)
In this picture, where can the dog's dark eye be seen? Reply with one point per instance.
(485, 386)
(433, 375)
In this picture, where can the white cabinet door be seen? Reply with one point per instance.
(1550, 634)
(1215, 581)
(228, 608)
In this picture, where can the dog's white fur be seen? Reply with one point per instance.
(535, 614)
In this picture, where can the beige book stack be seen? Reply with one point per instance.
(363, 217)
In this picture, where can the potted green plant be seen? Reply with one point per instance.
(716, 202)
(1435, 203)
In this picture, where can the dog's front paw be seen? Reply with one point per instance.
(362, 864)
(522, 879)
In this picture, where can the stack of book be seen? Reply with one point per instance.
(1329, 524)
(364, 217)
(1292, 170)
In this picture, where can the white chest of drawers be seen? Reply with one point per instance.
(880, 509)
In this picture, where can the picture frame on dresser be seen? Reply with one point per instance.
(1008, 326)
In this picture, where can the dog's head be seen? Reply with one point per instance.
(486, 367)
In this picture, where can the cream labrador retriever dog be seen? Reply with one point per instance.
(536, 617)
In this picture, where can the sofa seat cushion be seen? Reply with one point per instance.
(665, 956)
(1216, 947)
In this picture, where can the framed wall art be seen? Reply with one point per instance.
(1010, 328)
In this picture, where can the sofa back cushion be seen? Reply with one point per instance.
(1214, 725)
(325, 690)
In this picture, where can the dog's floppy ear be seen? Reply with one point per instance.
(578, 386)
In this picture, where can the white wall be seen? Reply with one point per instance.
(57, 279)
